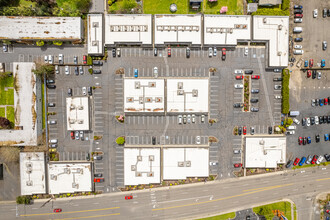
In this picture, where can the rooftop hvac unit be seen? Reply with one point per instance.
(72, 121)
(141, 100)
(180, 164)
(133, 168)
(137, 85)
(279, 53)
(111, 28)
(244, 26)
(95, 43)
(129, 99)
(195, 93)
(152, 84)
(28, 165)
(180, 85)
(145, 28)
(237, 26)
(118, 28)
(72, 107)
(159, 99)
(280, 27)
(231, 30)
(210, 30)
(188, 163)
(80, 107)
(138, 28)
(28, 170)
(180, 92)
(150, 174)
(262, 142)
(139, 158)
(53, 177)
(29, 183)
(95, 24)
(138, 174)
(221, 30)
(264, 20)
(125, 28)
(67, 170)
(75, 185)
(148, 99)
(28, 157)
(151, 158)
(81, 121)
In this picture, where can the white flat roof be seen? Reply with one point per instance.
(264, 152)
(276, 30)
(33, 28)
(25, 107)
(128, 28)
(226, 29)
(188, 95)
(95, 33)
(180, 163)
(77, 112)
(142, 166)
(32, 172)
(144, 95)
(178, 29)
(69, 177)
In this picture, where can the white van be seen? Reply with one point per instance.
(298, 52)
(290, 132)
(53, 141)
(291, 127)
(297, 30)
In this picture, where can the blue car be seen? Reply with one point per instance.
(309, 140)
(326, 137)
(302, 161)
(136, 73)
(298, 7)
(323, 63)
(306, 63)
(321, 102)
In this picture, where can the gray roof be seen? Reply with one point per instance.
(252, 7)
(270, 2)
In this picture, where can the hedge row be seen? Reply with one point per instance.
(285, 91)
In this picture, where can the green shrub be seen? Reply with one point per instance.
(285, 5)
(285, 91)
(90, 70)
(40, 43)
(120, 140)
(23, 200)
(57, 42)
(89, 60)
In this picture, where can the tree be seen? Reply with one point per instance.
(120, 140)
(23, 200)
(40, 43)
(82, 5)
(4, 75)
(129, 4)
(4, 123)
(43, 68)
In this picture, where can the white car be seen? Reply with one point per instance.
(278, 96)
(67, 70)
(193, 118)
(60, 58)
(155, 72)
(215, 51)
(319, 75)
(210, 52)
(315, 12)
(298, 20)
(84, 91)
(296, 121)
(46, 59)
(316, 120)
(319, 160)
(246, 51)
(297, 46)
(179, 119)
(52, 122)
(238, 86)
(308, 122)
(238, 71)
(50, 59)
(57, 71)
(198, 139)
(290, 132)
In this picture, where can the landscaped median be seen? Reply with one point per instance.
(274, 209)
(285, 91)
(226, 216)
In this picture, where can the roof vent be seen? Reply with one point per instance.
(180, 164)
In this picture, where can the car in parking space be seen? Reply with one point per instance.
(255, 77)
(184, 119)
(325, 101)
(84, 59)
(308, 121)
(52, 122)
(50, 59)
(298, 16)
(253, 109)
(51, 104)
(198, 139)
(311, 63)
(252, 130)
(97, 63)
(239, 130)
(302, 161)
(315, 13)
(50, 81)
(5, 48)
(290, 132)
(210, 52)
(223, 57)
(328, 120)
(254, 100)
(69, 92)
(53, 145)
(321, 102)
(202, 118)
(238, 71)
(237, 165)
(303, 121)
(300, 140)
(324, 12)
(215, 51)
(327, 157)
(304, 140)
(296, 121)
(97, 71)
(289, 164)
(113, 52)
(298, 39)
(136, 73)
(76, 70)
(97, 157)
(193, 118)
(277, 87)
(254, 91)
(297, 7)
(98, 174)
(187, 52)
(309, 159)
(169, 54)
(118, 52)
(238, 86)
(75, 60)
(317, 138)
(277, 70)
(57, 70)
(312, 120)
(67, 70)
(270, 130)
(153, 140)
(155, 71)
(46, 59)
(278, 96)
(324, 45)
(81, 135)
(76, 134)
(60, 58)
(319, 159)
(296, 161)
(277, 79)
(57, 210)
(309, 73)
(179, 119)
(81, 70)
(155, 52)
(246, 51)
(326, 137)
(188, 119)
(314, 159)
(84, 90)
(51, 86)
(313, 102)
(298, 11)
(98, 180)
(72, 135)
(239, 77)
(297, 46)
(314, 74)
(244, 130)
(298, 52)
(248, 71)
(237, 151)
(306, 63)
(128, 197)
(322, 63)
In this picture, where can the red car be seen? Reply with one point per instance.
(223, 54)
(255, 77)
(296, 161)
(57, 210)
(237, 165)
(298, 16)
(239, 77)
(72, 135)
(169, 51)
(309, 73)
(98, 180)
(311, 63)
(314, 159)
(300, 140)
(244, 130)
(128, 197)
(85, 59)
(325, 101)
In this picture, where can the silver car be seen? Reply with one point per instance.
(179, 119)
(188, 119)
(238, 86)
(198, 139)
(67, 70)
(52, 122)
(210, 52)
(81, 70)
(77, 135)
(319, 75)
(84, 90)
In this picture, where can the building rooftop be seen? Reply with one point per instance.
(274, 29)
(188, 95)
(226, 29)
(71, 177)
(95, 33)
(180, 163)
(25, 105)
(128, 28)
(144, 95)
(178, 29)
(264, 152)
(45, 28)
(77, 112)
(142, 166)
(32, 172)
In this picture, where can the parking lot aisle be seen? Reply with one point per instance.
(119, 166)
(214, 98)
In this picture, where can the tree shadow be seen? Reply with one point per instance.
(212, 4)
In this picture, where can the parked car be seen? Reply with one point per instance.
(255, 77)
(98, 180)
(184, 119)
(128, 197)
(239, 130)
(179, 119)
(319, 159)
(297, 46)
(193, 118)
(306, 63)
(252, 130)
(5, 48)
(314, 74)
(298, 20)
(325, 12)
(309, 159)
(298, 16)
(223, 57)
(309, 140)
(319, 75)
(46, 59)
(153, 140)
(254, 91)
(51, 104)
(210, 52)
(239, 71)
(61, 58)
(72, 135)
(84, 59)
(69, 92)
(84, 90)
(253, 109)
(188, 119)
(113, 52)
(50, 81)
(277, 87)
(315, 13)
(239, 77)
(289, 164)
(97, 157)
(298, 11)
(254, 100)
(297, 7)
(313, 102)
(308, 121)
(198, 139)
(244, 130)
(300, 140)
(314, 159)
(52, 122)
(97, 71)
(76, 71)
(237, 165)
(324, 45)
(296, 121)
(57, 70)
(57, 210)
(215, 51)
(302, 161)
(326, 137)
(311, 63)
(97, 63)
(202, 118)
(81, 70)
(309, 73)
(327, 157)
(296, 161)
(238, 86)
(323, 63)
(155, 52)
(118, 52)
(298, 39)
(98, 174)
(51, 86)
(50, 59)
(317, 138)
(248, 71)
(246, 51)
(67, 70)
(237, 151)
(75, 60)
(169, 54)
(270, 130)
(187, 52)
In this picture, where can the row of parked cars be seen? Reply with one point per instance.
(84, 90)
(298, 18)
(314, 74)
(309, 160)
(187, 119)
(308, 121)
(320, 102)
(76, 135)
(243, 130)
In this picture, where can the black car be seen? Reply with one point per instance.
(49, 81)
(90, 90)
(255, 91)
(248, 71)
(289, 164)
(304, 122)
(188, 52)
(321, 119)
(305, 141)
(298, 39)
(238, 105)
(97, 72)
(254, 100)
(51, 86)
(298, 11)
(69, 92)
(239, 130)
(317, 138)
(312, 120)
(328, 12)
(76, 70)
(317, 102)
(51, 104)
(155, 52)
(98, 175)
(328, 121)
(324, 12)
(314, 74)
(327, 157)
(153, 140)
(97, 63)
(114, 52)
(270, 130)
